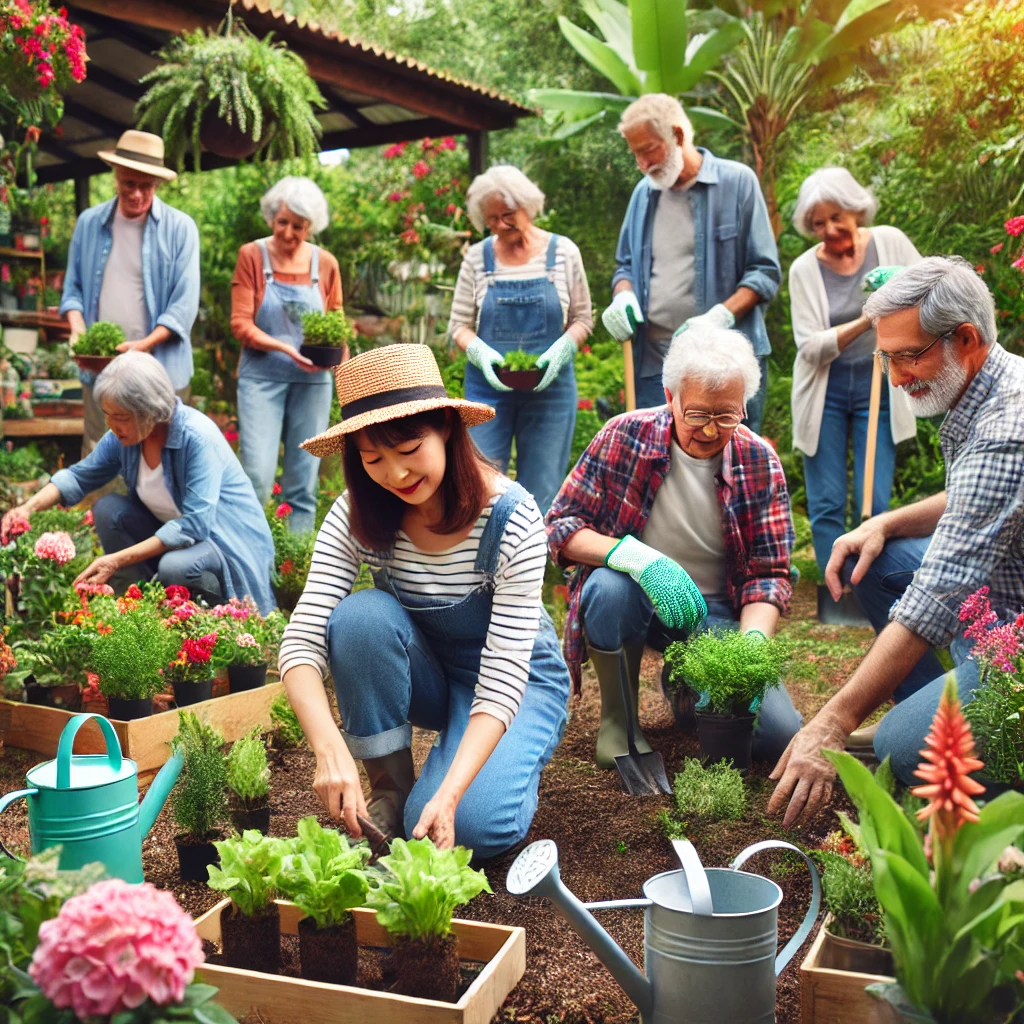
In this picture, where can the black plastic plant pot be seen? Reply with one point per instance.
(726, 736)
(322, 355)
(252, 943)
(124, 709)
(194, 858)
(192, 693)
(246, 677)
(258, 819)
(519, 380)
(328, 954)
(35, 693)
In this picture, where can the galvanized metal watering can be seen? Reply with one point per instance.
(88, 804)
(710, 935)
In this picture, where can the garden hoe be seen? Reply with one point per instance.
(642, 774)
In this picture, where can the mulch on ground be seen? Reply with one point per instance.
(609, 843)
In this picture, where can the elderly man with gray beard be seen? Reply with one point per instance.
(912, 567)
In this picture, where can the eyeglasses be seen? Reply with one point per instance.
(905, 359)
(722, 420)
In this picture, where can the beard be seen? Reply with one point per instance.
(666, 174)
(943, 389)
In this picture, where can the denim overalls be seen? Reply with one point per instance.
(398, 662)
(277, 397)
(525, 314)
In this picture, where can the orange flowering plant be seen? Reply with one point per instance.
(954, 921)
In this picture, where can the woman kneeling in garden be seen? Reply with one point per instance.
(453, 637)
(190, 516)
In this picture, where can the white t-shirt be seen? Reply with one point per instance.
(686, 523)
(123, 293)
(153, 493)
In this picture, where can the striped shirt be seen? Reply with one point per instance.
(448, 574)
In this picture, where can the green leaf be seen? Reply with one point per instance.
(709, 53)
(573, 127)
(612, 18)
(978, 844)
(213, 1013)
(578, 104)
(660, 31)
(856, 9)
(195, 995)
(601, 57)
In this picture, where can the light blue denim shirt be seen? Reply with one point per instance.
(170, 277)
(207, 483)
(734, 245)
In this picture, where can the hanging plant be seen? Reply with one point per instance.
(231, 94)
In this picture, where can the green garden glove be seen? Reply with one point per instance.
(874, 279)
(484, 358)
(675, 596)
(622, 316)
(554, 358)
(717, 316)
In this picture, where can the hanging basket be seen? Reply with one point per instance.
(224, 138)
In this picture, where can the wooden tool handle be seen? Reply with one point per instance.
(874, 405)
(627, 362)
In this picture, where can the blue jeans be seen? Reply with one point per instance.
(270, 411)
(122, 521)
(845, 420)
(650, 393)
(616, 612)
(388, 677)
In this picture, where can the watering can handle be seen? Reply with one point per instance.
(696, 879)
(5, 801)
(67, 743)
(812, 911)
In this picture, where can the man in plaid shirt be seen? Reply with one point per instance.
(677, 512)
(912, 567)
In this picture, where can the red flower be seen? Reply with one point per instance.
(451, 209)
(448, 142)
(998, 247)
(287, 567)
(1015, 226)
(887, 157)
(177, 593)
(585, 403)
(979, 268)
(427, 144)
(396, 197)
(199, 651)
(410, 236)
(395, 151)
(88, 518)
(230, 435)
(442, 190)
(585, 349)
(283, 510)
(134, 594)
(561, 591)
(276, 489)
(420, 170)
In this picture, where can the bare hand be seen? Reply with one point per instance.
(306, 364)
(10, 518)
(99, 570)
(142, 345)
(438, 822)
(805, 778)
(866, 541)
(337, 785)
(73, 340)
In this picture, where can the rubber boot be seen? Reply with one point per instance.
(391, 780)
(611, 736)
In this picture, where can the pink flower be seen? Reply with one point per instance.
(133, 593)
(1018, 264)
(998, 647)
(420, 169)
(427, 144)
(448, 142)
(284, 510)
(115, 946)
(18, 527)
(392, 152)
(246, 640)
(976, 606)
(450, 209)
(276, 489)
(1015, 226)
(87, 518)
(56, 547)
(230, 435)
(998, 247)
(979, 268)
(396, 197)
(410, 236)
(94, 589)
(185, 611)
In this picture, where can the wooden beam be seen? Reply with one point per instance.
(81, 194)
(116, 28)
(93, 118)
(115, 83)
(76, 168)
(382, 134)
(343, 106)
(479, 152)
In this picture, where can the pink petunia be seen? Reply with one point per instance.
(1015, 226)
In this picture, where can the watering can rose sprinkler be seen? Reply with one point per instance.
(710, 935)
(88, 804)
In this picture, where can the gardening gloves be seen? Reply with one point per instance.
(879, 276)
(716, 316)
(554, 358)
(703, 696)
(675, 596)
(622, 316)
(484, 358)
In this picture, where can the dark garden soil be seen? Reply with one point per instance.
(609, 843)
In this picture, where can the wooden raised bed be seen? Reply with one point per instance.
(283, 1000)
(828, 996)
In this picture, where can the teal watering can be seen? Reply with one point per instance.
(88, 804)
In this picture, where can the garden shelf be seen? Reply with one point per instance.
(828, 996)
(285, 1000)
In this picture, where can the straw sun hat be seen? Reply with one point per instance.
(388, 383)
(139, 151)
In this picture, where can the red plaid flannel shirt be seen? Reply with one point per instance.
(612, 489)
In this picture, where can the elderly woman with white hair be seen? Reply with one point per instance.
(521, 288)
(190, 516)
(282, 396)
(677, 518)
(835, 351)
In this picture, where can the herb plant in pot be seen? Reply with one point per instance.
(53, 664)
(249, 782)
(97, 346)
(323, 876)
(415, 902)
(520, 371)
(324, 337)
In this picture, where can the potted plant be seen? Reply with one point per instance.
(324, 337)
(202, 653)
(287, 730)
(731, 672)
(415, 902)
(250, 927)
(323, 876)
(97, 346)
(247, 638)
(53, 665)
(199, 803)
(519, 371)
(233, 94)
(248, 778)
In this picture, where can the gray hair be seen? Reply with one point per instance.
(508, 182)
(662, 112)
(832, 185)
(945, 290)
(302, 196)
(137, 383)
(714, 357)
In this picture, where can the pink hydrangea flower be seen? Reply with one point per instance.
(115, 946)
(56, 547)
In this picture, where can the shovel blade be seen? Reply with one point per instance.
(643, 774)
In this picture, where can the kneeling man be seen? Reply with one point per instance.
(678, 512)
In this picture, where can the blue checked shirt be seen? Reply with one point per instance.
(979, 541)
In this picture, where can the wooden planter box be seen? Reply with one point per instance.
(145, 740)
(282, 1000)
(828, 996)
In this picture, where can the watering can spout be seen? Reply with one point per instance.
(159, 790)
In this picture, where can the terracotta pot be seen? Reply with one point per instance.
(842, 954)
(726, 736)
(94, 364)
(225, 139)
(322, 355)
(519, 380)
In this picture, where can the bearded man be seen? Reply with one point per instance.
(912, 567)
(696, 248)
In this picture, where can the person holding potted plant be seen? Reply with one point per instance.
(678, 520)
(525, 289)
(282, 395)
(453, 637)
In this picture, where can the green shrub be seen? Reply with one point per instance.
(996, 715)
(249, 865)
(21, 463)
(248, 774)
(130, 658)
(199, 803)
(331, 329)
(101, 339)
(287, 730)
(850, 898)
(709, 794)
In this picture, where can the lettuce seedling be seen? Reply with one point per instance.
(518, 360)
(249, 865)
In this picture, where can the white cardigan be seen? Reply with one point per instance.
(817, 345)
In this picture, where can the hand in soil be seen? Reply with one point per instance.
(438, 822)
(337, 784)
(805, 777)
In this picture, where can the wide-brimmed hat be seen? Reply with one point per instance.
(141, 151)
(388, 383)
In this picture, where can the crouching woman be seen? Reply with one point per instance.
(452, 637)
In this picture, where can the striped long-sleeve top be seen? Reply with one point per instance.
(448, 574)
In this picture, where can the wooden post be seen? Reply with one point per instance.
(478, 155)
(81, 195)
